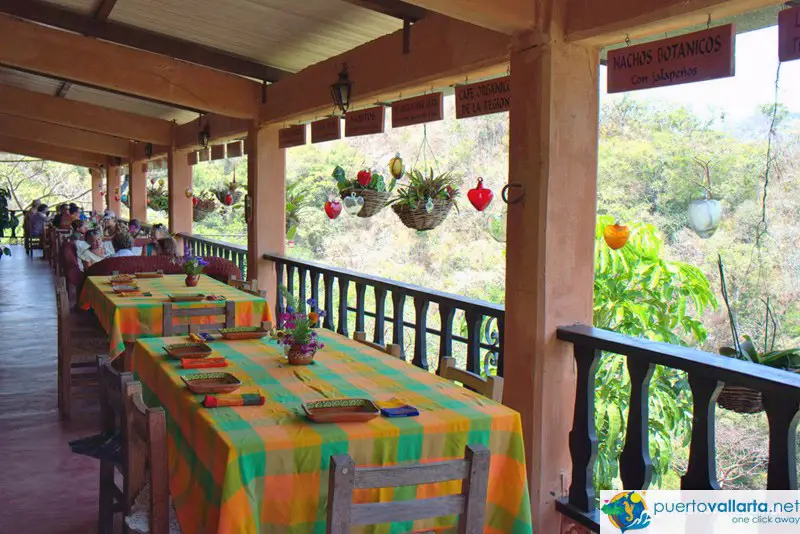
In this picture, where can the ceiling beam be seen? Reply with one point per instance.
(603, 23)
(393, 8)
(443, 51)
(58, 17)
(506, 16)
(63, 136)
(35, 149)
(83, 116)
(51, 52)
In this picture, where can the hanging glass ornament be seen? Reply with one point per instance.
(705, 216)
(353, 204)
(188, 192)
(497, 227)
(616, 235)
(396, 167)
(429, 205)
(333, 208)
(480, 197)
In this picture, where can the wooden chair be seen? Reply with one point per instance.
(147, 502)
(80, 340)
(491, 386)
(390, 349)
(112, 414)
(226, 309)
(470, 504)
(243, 285)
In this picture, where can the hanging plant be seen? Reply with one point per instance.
(297, 202)
(426, 201)
(368, 186)
(705, 214)
(229, 194)
(205, 205)
(157, 197)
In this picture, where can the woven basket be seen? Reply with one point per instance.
(419, 218)
(198, 214)
(236, 196)
(374, 201)
(740, 399)
(296, 356)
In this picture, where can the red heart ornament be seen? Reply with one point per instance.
(364, 178)
(333, 209)
(228, 199)
(480, 197)
(195, 201)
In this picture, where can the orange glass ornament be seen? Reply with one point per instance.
(616, 235)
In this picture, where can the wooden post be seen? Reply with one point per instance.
(179, 178)
(97, 182)
(137, 188)
(266, 184)
(113, 188)
(549, 280)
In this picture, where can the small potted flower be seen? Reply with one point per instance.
(297, 335)
(193, 267)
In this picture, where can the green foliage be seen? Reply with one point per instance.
(297, 202)
(423, 187)
(5, 215)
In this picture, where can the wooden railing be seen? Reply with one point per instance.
(201, 246)
(707, 373)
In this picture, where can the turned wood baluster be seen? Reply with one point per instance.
(782, 414)
(361, 293)
(278, 297)
(380, 316)
(474, 321)
(501, 332)
(701, 473)
(421, 332)
(582, 437)
(301, 273)
(290, 278)
(344, 289)
(327, 280)
(446, 314)
(635, 464)
(398, 305)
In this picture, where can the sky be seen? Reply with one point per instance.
(738, 97)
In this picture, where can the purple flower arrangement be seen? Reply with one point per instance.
(194, 264)
(298, 325)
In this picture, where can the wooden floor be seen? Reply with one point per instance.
(44, 488)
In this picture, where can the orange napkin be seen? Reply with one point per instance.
(203, 363)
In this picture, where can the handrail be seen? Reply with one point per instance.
(707, 374)
(201, 246)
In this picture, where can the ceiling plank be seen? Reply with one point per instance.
(604, 23)
(58, 17)
(39, 49)
(393, 8)
(63, 136)
(443, 51)
(506, 16)
(35, 149)
(83, 116)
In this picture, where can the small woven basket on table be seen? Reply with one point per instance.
(419, 218)
(374, 201)
(740, 399)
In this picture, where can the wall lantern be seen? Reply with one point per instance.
(340, 91)
(204, 136)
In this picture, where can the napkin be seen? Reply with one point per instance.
(245, 399)
(204, 363)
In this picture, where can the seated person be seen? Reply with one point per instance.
(135, 228)
(38, 220)
(59, 214)
(94, 252)
(123, 245)
(79, 229)
(65, 222)
(158, 231)
(74, 212)
(109, 224)
(167, 246)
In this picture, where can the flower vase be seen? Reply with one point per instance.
(192, 280)
(296, 356)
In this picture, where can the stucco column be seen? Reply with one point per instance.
(137, 188)
(180, 208)
(113, 189)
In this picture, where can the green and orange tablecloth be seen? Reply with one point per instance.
(264, 469)
(127, 318)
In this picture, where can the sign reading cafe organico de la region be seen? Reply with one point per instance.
(694, 57)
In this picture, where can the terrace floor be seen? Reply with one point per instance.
(44, 488)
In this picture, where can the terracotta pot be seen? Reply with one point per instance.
(297, 357)
(192, 280)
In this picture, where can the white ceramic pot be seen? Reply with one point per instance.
(704, 216)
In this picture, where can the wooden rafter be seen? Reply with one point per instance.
(39, 150)
(122, 69)
(506, 16)
(393, 8)
(63, 136)
(83, 116)
(58, 17)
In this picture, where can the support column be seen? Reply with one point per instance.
(137, 187)
(180, 208)
(266, 184)
(113, 188)
(97, 182)
(550, 259)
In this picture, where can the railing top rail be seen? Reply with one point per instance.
(729, 370)
(456, 301)
(215, 242)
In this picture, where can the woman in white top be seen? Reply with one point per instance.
(95, 250)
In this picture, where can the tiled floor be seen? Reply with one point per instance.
(44, 488)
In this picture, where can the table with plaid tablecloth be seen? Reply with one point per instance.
(127, 318)
(264, 469)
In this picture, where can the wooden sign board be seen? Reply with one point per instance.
(218, 152)
(328, 129)
(202, 154)
(292, 136)
(235, 149)
(368, 121)
(144, 167)
(191, 158)
(483, 98)
(789, 34)
(694, 57)
(425, 108)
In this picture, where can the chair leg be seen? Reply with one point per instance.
(65, 386)
(105, 521)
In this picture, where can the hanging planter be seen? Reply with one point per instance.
(203, 207)
(158, 198)
(426, 201)
(368, 186)
(705, 214)
(229, 194)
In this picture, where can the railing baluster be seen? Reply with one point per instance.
(635, 465)
(701, 473)
(301, 273)
(501, 332)
(314, 275)
(380, 315)
(344, 287)
(327, 280)
(361, 293)
(290, 278)
(474, 321)
(582, 437)
(421, 332)
(398, 305)
(782, 414)
(278, 297)
(446, 315)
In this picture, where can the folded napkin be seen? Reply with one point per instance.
(245, 399)
(134, 294)
(204, 363)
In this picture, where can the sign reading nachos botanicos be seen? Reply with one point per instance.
(694, 57)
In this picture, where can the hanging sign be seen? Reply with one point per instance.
(328, 129)
(364, 121)
(425, 108)
(292, 136)
(483, 98)
(191, 158)
(694, 57)
(218, 152)
(789, 34)
(144, 167)
(235, 149)
(202, 154)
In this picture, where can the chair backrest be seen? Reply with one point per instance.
(146, 457)
(390, 349)
(243, 285)
(470, 504)
(112, 394)
(491, 386)
(170, 312)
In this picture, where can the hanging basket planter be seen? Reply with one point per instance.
(157, 201)
(740, 400)
(236, 196)
(374, 201)
(419, 218)
(204, 205)
(199, 214)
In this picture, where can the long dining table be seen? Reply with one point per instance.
(264, 469)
